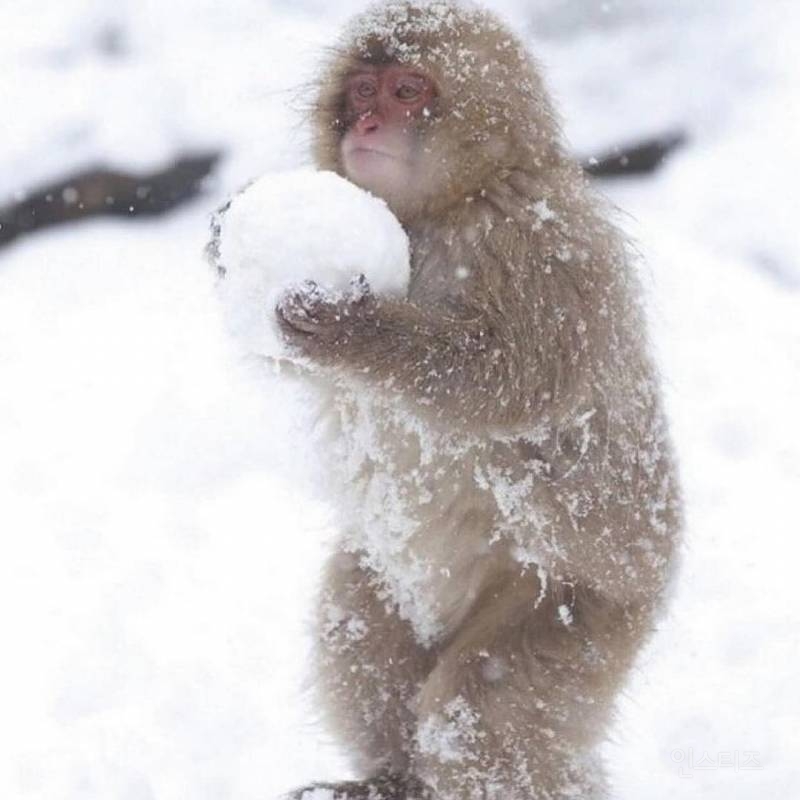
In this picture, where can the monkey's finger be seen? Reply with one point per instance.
(310, 294)
(293, 323)
(290, 310)
(293, 308)
(294, 315)
(303, 326)
(308, 286)
(359, 288)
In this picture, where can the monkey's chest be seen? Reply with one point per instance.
(413, 513)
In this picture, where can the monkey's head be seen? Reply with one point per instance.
(424, 103)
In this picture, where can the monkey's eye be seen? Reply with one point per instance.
(410, 88)
(408, 91)
(365, 90)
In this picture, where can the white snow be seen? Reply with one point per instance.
(565, 614)
(160, 547)
(449, 735)
(298, 225)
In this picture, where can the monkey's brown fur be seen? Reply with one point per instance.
(507, 489)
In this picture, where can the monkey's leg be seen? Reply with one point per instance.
(369, 669)
(521, 695)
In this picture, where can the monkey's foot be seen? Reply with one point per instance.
(379, 787)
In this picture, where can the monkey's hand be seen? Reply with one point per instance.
(315, 322)
(456, 364)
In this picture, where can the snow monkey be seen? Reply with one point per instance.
(509, 505)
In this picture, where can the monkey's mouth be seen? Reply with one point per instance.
(362, 150)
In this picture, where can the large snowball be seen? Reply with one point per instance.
(290, 226)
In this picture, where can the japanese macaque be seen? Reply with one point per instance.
(508, 499)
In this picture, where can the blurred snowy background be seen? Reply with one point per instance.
(159, 544)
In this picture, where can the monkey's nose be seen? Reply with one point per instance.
(368, 123)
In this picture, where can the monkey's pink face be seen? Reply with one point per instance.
(380, 149)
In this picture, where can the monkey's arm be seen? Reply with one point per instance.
(460, 366)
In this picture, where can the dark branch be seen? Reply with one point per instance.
(641, 158)
(103, 192)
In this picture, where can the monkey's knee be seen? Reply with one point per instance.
(513, 711)
(483, 746)
(482, 749)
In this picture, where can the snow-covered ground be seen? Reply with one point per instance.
(159, 541)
